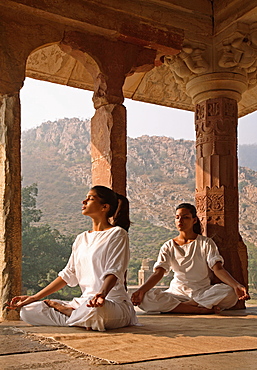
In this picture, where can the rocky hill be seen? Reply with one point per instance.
(161, 173)
(247, 156)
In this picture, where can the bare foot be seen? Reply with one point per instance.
(217, 309)
(192, 307)
(66, 310)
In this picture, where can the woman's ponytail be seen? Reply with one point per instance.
(119, 206)
(121, 216)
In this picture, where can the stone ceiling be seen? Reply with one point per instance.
(217, 36)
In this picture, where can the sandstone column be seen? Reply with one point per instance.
(217, 177)
(19, 36)
(214, 74)
(109, 133)
(109, 62)
(109, 147)
(216, 96)
(10, 198)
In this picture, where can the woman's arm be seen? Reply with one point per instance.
(225, 276)
(99, 298)
(54, 286)
(138, 295)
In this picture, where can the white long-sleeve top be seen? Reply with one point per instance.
(191, 263)
(95, 255)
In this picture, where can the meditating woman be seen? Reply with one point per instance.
(98, 263)
(191, 256)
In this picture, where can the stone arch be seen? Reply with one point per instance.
(51, 63)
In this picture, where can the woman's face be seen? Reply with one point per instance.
(92, 205)
(184, 220)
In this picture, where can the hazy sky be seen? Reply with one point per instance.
(42, 101)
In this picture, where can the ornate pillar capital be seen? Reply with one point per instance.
(222, 66)
(216, 85)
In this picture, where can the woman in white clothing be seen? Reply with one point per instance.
(191, 256)
(98, 264)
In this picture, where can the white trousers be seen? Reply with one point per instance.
(156, 300)
(111, 316)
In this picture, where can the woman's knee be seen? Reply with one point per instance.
(25, 313)
(230, 300)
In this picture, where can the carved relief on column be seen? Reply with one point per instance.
(216, 143)
(216, 210)
(190, 62)
(217, 178)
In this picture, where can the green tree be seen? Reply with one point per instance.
(29, 202)
(44, 250)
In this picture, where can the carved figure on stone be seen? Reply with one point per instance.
(102, 92)
(153, 85)
(194, 60)
(50, 58)
(179, 69)
(188, 62)
(160, 84)
(241, 52)
(100, 87)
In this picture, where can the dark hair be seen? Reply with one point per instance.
(197, 228)
(119, 205)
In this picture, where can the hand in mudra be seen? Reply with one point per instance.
(20, 301)
(137, 297)
(97, 301)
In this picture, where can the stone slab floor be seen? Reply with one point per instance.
(19, 352)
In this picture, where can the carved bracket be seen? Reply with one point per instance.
(239, 52)
(188, 63)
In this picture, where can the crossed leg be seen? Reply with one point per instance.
(66, 310)
(192, 307)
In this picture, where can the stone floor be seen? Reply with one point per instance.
(20, 352)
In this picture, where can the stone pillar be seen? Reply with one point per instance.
(109, 147)
(145, 271)
(10, 198)
(109, 124)
(215, 96)
(20, 35)
(217, 180)
(109, 63)
(109, 132)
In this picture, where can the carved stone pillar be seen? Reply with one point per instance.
(109, 129)
(10, 198)
(217, 179)
(20, 35)
(109, 63)
(109, 147)
(215, 76)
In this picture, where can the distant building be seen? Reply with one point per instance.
(145, 270)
